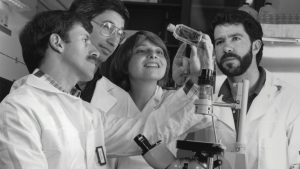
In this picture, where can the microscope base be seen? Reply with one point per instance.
(236, 160)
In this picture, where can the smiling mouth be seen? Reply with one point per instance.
(106, 50)
(152, 65)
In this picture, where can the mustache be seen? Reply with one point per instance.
(229, 55)
(94, 58)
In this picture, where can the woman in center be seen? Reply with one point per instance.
(141, 67)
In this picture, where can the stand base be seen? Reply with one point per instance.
(235, 160)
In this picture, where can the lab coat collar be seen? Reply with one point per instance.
(154, 101)
(158, 93)
(102, 99)
(18, 83)
(36, 82)
(158, 96)
(265, 98)
(43, 85)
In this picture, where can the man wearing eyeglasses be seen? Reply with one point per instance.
(44, 124)
(109, 17)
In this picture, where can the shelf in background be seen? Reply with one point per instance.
(154, 17)
(151, 5)
(281, 41)
(214, 7)
(172, 45)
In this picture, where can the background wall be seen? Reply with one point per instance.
(11, 61)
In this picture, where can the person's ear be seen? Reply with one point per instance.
(256, 45)
(56, 43)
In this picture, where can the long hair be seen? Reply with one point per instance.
(119, 65)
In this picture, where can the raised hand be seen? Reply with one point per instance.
(201, 57)
(180, 67)
(205, 52)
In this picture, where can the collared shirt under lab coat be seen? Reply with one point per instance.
(105, 88)
(272, 126)
(42, 127)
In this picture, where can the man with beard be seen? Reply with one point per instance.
(273, 112)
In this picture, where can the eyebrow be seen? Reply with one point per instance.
(109, 22)
(86, 35)
(140, 45)
(231, 35)
(236, 34)
(143, 45)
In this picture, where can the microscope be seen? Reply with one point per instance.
(208, 155)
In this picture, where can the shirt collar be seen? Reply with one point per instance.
(225, 88)
(40, 74)
(261, 80)
(226, 92)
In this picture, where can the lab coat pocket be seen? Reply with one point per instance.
(272, 153)
(61, 144)
(60, 139)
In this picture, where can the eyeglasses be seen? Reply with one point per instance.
(108, 28)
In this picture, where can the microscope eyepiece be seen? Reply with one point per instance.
(143, 143)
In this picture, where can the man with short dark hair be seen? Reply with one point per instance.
(273, 112)
(44, 123)
(109, 18)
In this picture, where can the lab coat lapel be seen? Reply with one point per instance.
(102, 99)
(264, 100)
(224, 114)
(154, 102)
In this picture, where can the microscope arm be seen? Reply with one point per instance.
(159, 156)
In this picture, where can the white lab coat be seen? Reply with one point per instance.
(105, 88)
(42, 127)
(272, 126)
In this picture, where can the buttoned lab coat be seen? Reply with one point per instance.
(106, 89)
(272, 126)
(42, 127)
